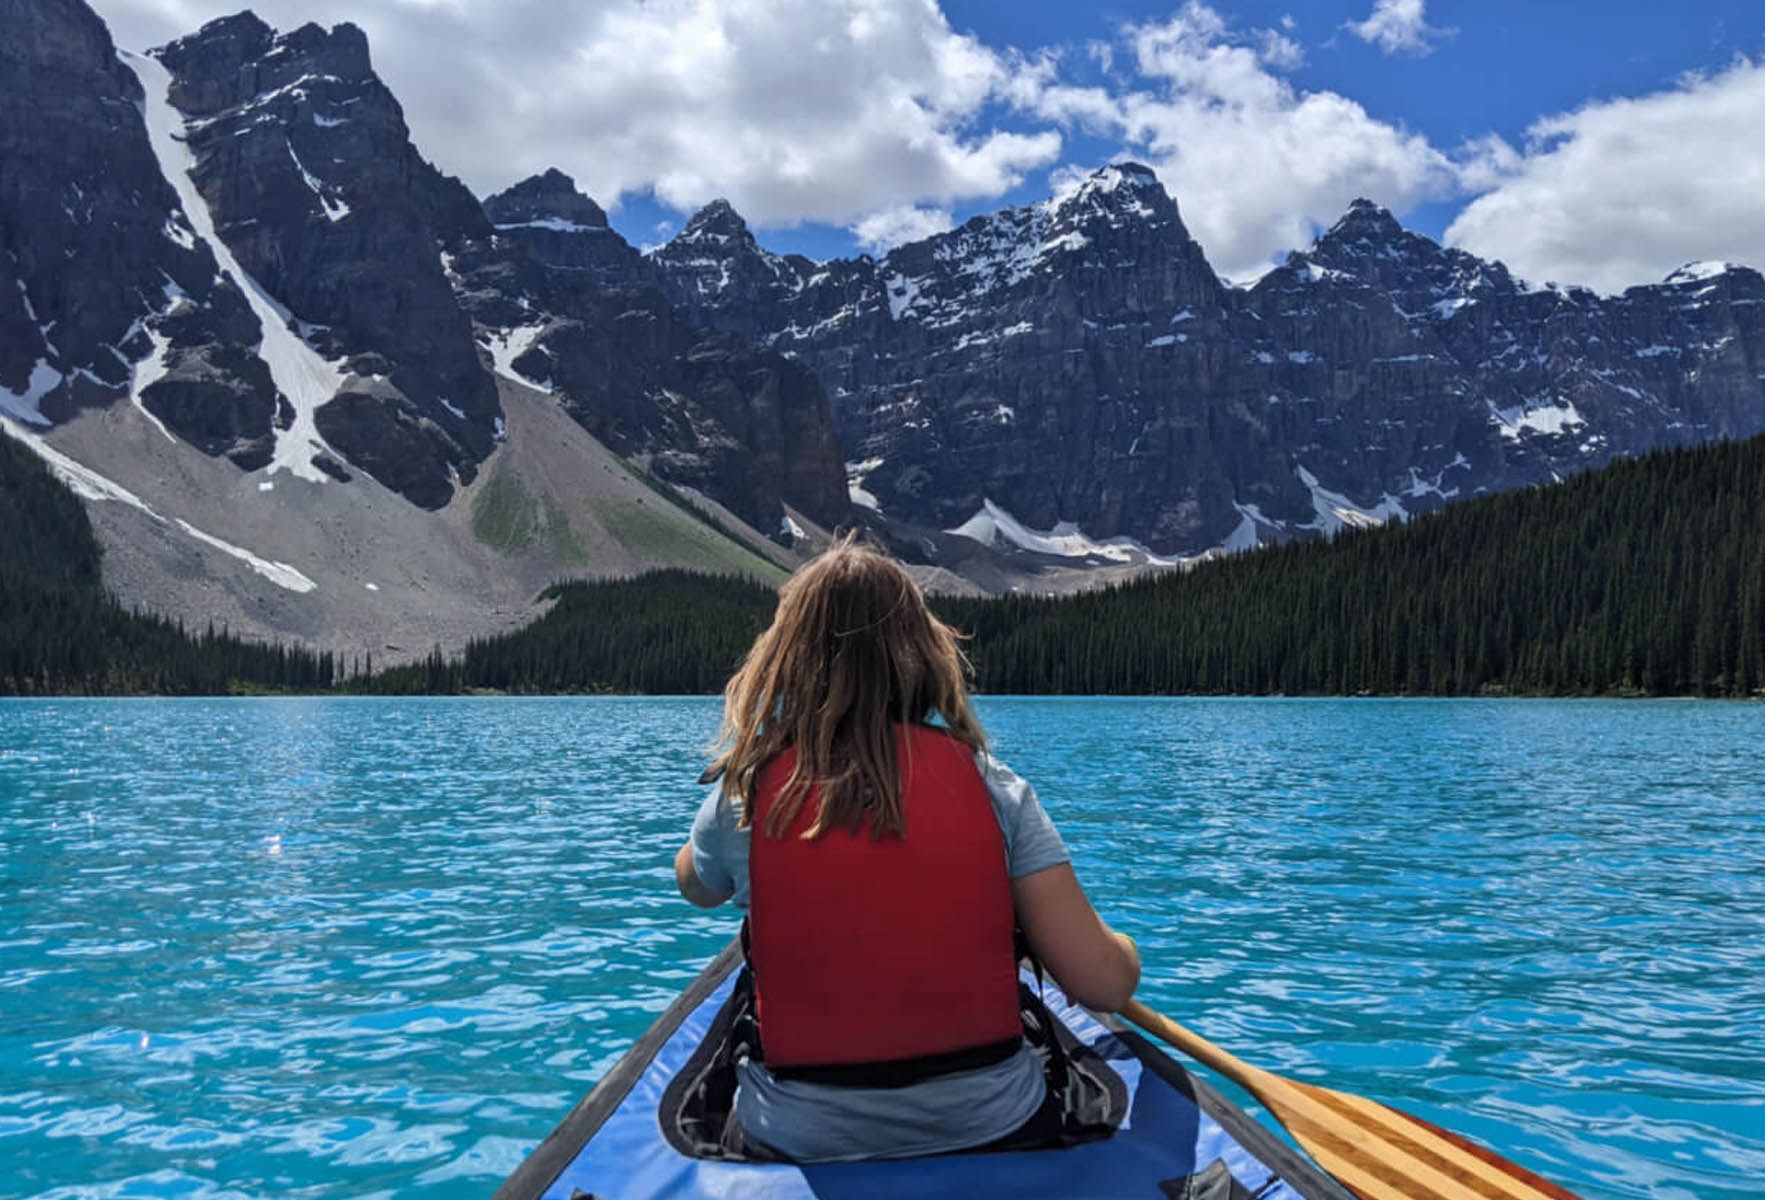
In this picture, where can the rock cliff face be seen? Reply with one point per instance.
(565, 230)
(565, 304)
(237, 233)
(1079, 362)
(106, 295)
(305, 163)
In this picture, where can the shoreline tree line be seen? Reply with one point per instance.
(1644, 578)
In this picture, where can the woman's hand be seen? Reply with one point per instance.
(1092, 963)
(689, 883)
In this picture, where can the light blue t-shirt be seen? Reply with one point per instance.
(813, 1122)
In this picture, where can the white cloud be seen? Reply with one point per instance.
(905, 223)
(1256, 165)
(818, 110)
(1624, 191)
(876, 116)
(1280, 51)
(1398, 26)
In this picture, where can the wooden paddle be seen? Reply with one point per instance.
(1375, 1151)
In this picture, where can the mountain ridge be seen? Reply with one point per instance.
(1439, 366)
(1049, 395)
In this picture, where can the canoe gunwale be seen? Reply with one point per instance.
(1306, 1177)
(541, 1168)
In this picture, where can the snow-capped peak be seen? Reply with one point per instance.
(1118, 189)
(1364, 221)
(1700, 272)
(717, 221)
(548, 201)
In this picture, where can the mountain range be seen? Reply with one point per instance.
(312, 386)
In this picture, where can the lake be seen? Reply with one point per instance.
(377, 947)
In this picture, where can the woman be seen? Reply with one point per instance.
(883, 861)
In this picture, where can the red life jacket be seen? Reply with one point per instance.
(880, 950)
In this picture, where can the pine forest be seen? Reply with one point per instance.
(1645, 578)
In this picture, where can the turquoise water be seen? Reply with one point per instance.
(329, 948)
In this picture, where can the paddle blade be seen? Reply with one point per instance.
(1380, 1153)
(1373, 1150)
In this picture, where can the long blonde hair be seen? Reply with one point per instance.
(852, 650)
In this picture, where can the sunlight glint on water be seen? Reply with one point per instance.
(340, 948)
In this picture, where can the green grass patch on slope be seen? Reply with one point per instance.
(567, 546)
(505, 516)
(672, 494)
(662, 534)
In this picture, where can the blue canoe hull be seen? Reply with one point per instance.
(611, 1146)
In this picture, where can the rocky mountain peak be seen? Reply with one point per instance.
(342, 50)
(716, 222)
(1365, 228)
(239, 59)
(244, 29)
(548, 201)
(304, 164)
(105, 294)
(1116, 177)
(224, 47)
(1114, 194)
(1368, 245)
(1701, 273)
(716, 255)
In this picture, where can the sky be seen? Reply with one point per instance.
(1602, 144)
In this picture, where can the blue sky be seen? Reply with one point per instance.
(1496, 67)
(1508, 63)
(1601, 143)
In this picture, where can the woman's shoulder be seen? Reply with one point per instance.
(1012, 788)
(1032, 843)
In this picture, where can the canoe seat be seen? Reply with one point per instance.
(1087, 1099)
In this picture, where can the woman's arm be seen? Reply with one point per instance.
(1092, 964)
(688, 881)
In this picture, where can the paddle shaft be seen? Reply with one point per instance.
(1251, 1079)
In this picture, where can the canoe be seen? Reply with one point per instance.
(1177, 1139)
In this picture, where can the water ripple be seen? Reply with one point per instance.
(329, 948)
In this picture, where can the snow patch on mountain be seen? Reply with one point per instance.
(278, 573)
(90, 485)
(902, 292)
(555, 224)
(176, 233)
(1700, 272)
(304, 378)
(506, 345)
(1550, 419)
(1336, 512)
(856, 473)
(1423, 486)
(147, 372)
(23, 406)
(334, 208)
(992, 526)
(1245, 537)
